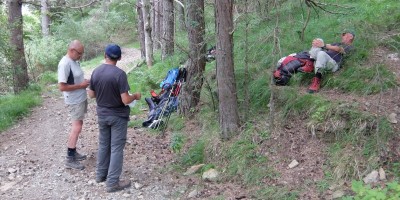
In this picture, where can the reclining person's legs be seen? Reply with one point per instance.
(150, 103)
(325, 62)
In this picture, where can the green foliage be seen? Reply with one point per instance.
(43, 54)
(145, 79)
(13, 107)
(390, 192)
(358, 140)
(195, 155)
(105, 27)
(48, 77)
(394, 169)
(259, 93)
(240, 155)
(176, 122)
(245, 162)
(32, 28)
(319, 114)
(177, 142)
(207, 167)
(363, 80)
(93, 63)
(5, 67)
(294, 104)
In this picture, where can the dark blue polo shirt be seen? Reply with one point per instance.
(109, 82)
(338, 57)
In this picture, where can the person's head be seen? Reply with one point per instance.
(75, 50)
(112, 52)
(348, 37)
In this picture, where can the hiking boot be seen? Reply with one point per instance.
(79, 156)
(100, 179)
(119, 186)
(315, 84)
(306, 69)
(72, 163)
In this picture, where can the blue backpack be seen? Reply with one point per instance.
(169, 80)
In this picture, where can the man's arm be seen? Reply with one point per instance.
(91, 93)
(335, 48)
(128, 98)
(320, 44)
(65, 87)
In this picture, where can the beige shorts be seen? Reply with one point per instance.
(78, 111)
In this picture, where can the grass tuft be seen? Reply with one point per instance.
(13, 107)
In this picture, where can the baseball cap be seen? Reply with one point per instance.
(349, 31)
(113, 51)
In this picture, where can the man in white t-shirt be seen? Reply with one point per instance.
(73, 85)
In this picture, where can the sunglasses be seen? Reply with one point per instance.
(80, 53)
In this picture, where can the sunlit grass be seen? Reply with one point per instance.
(13, 107)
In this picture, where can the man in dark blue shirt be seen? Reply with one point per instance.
(109, 85)
(330, 57)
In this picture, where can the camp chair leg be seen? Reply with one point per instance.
(160, 117)
(165, 124)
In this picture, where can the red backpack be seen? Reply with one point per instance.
(289, 65)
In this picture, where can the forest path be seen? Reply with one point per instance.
(129, 59)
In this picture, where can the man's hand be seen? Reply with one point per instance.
(137, 96)
(127, 98)
(66, 87)
(318, 43)
(85, 83)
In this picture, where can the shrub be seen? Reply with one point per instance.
(43, 54)
(391, 191)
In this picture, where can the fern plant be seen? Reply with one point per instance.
(364, 192)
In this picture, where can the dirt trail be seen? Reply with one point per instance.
(129, 58)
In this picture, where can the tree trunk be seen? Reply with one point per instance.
(228, 106)
(140, 28)
(168, 32)
(157, 23)
(196, 64)
(152, 18)
(15, 21)
(44, 11)
(181, 16)
(147, 32)
(246, 83)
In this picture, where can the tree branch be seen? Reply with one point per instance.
(53, 7)
(316, 4)
(89, 4)
(180, 3)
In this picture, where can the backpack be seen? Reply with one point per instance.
(170, 78)
(287, 66)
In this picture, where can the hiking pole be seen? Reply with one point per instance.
(164, 108)
(175, 99)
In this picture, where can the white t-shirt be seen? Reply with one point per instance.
(64, 66)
